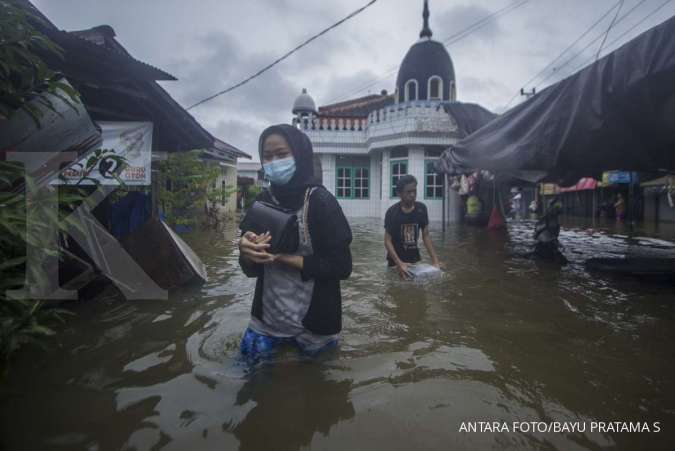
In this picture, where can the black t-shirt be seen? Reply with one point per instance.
(404, 229)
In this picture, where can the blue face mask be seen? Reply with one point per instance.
(280, 171)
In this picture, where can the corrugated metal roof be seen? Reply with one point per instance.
(100, 42)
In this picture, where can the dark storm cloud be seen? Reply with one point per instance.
(458, 18)
(224, 62)
(483, 84)
(241, 134)
(212, 44)
(344, 88)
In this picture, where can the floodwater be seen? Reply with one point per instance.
(499, 338)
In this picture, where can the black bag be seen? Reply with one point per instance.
(282, 224)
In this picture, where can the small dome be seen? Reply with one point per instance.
(426, 59)
(304, 104)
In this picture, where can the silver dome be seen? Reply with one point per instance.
(304, 104)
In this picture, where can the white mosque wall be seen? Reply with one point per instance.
(380, 197)
(412, 125)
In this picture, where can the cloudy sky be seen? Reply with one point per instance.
(211, 44)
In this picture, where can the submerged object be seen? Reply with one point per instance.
(635, 266)
(423, 271)
(163, 255)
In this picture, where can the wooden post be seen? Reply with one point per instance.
(445, 187)
(595, 205)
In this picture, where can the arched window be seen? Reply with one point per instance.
(453, 91)
(411, 90)
(435, 88)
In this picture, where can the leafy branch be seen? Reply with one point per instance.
(26, 82)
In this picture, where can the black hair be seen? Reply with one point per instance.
(403, 181)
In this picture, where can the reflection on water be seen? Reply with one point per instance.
(497, 338)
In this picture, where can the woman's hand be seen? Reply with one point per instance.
(253, 248)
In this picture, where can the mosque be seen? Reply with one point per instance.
(366, 144)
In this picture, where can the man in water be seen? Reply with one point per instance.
(403, 223)
(546, 233)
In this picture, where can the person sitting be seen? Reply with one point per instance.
(402, 223)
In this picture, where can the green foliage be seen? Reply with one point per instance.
(186, 183)
(24, 76)
(216, 194)
(26, 321)
(21, 321)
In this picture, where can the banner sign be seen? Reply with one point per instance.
(131, 140)
(619, 177)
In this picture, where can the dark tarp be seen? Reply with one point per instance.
(468, 116)
(617, 113)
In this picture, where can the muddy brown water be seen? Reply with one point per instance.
(499, 338)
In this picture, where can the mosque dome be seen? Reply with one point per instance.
(304, 104)
(426, 72)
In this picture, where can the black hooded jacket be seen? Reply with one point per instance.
(329, 232)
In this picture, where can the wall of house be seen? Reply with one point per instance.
(226, 180)
(354, 208)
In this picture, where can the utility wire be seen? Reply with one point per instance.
(619, 20)
(447, 41)
(640, 22)
(583, 35)
(283, 57)
(608, 29)
(583, 64)
(657, 9)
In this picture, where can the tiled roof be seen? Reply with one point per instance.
(359, 107)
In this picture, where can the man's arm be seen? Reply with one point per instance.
(426, 238)
(401, 266)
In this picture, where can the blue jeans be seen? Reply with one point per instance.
(255, 346)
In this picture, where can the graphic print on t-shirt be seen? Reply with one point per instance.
(409, 236)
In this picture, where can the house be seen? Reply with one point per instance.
(366, 144)
(250, 173)
(225, 157)
(134, 113)
(116, 88)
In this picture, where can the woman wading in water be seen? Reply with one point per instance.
(297, 296)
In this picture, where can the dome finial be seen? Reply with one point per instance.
(426, 31)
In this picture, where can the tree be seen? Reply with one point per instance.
(185, 187)
(24, 76)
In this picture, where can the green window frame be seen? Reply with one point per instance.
(433, 182)
(397, 168)
(352, 182)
